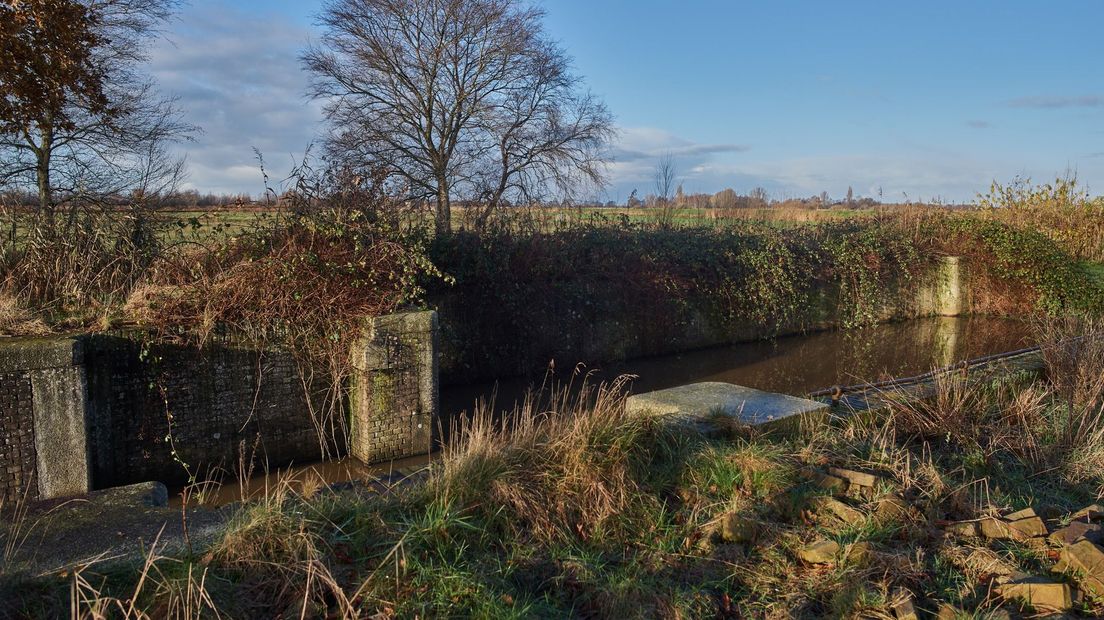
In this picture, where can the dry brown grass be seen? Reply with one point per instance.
(1055, 425)
(17, 320)
(1063, 210)
(278, 551)
(561, 471)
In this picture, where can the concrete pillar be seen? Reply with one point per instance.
(55, 370)
(951, 291)
(394, 391)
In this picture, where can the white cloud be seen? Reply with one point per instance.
(924, 176)
(637, 150)
(1051, 102)
(919, 173)
(237, 76)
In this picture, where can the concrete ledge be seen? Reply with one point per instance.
(60, 403)
(700, 402)
(114, 527)
(24, 354)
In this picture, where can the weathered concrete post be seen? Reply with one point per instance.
(44, 453)
(394, 395)
(951, 289)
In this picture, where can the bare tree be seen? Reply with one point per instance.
(104, 130)
(758, 198)
(547, 136)
(666, 172)
(454, 94)
(725, 199)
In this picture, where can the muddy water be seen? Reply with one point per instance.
(794, 365)
(299, 478)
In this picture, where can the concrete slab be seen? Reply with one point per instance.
(699, 402)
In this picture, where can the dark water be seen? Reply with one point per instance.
(794, 365)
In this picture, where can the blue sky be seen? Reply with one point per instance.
(932, 99)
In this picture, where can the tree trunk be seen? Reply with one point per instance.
(42, 170)
(42, 175)
(444, 208)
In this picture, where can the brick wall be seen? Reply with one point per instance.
(17, 441)
(221, 403)
(394, 392)
(95, 411)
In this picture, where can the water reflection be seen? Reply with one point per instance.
(794, 365)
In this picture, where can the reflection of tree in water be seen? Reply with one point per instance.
(862, 355)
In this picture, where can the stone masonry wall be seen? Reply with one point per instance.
(43, 452)
(394, 396)
(177, 410)
(17, 445)
(598, 327)
(94, 411)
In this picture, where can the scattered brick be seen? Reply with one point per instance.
(1076, 531)
(1085, 561)
(832, 484)
(1089, 513)
(903, 608)
(895, 508)
(1026, 513)
(855, 477)
(1031, 527)
(736, 528)
(819, 552)
(840, 510)
(1040, 593)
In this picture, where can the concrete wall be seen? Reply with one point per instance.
(599, 326)
(96, 411)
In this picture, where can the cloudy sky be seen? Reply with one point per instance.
(933, 99)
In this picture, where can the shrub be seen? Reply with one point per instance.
(1016, 257)
(1062, 210)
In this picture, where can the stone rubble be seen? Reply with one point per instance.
(1076, 531)
(1084, 561)
(819, 552)
(1080, 556)
(1078, 547)
(1039, 593)
(834, 485)
(904, 608)
(857, 478)
(840, 510)
(736, 528)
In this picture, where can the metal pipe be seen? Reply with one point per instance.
(837, 392)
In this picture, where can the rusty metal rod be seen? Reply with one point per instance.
(837, 391)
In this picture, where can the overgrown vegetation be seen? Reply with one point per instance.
(525, 294)
(575, 507)
(1063, 211)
